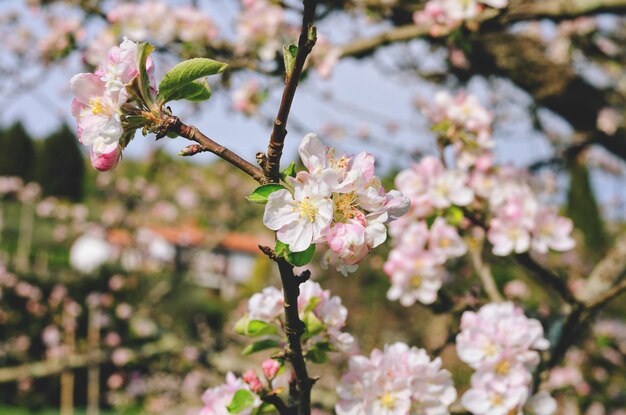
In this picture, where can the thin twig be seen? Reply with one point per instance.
(279, 132)
(547, 276)
(484, 272)
(192, 133)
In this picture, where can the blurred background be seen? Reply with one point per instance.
(118, 290)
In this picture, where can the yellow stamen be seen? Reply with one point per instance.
(503, 367)
(96, 106)
(416, 281)
(307, 209)
(387, 401)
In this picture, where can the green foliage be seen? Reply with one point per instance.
(143, 51)
(60, 167)
(583, 209)
(176, 82)
(262, 193)
(243, 399)
(298, 259)
(17, 152)
(260, 346)
(289, 57)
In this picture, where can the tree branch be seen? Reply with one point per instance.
(174, 124)
(606, 273)
(279, 132)
(484, 272)
(294, 327)
(547, 276)
(277, 402)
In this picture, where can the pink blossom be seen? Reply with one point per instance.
(218, 398)
(253, 381)
(393, 381)
(270, 368)
(414, 277)
(266, 306)
(445, 241)
(552, 232)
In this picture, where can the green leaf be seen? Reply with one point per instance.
(313, 302)
(257, 328)
(316, 355)
(143, 51)
(241, 325)
(185, 73)
(454, 215)
(290, 171)
(262, 193)
(259, 346)
(282, 249)
(289, 57)
(301, 258)
(242, 399)
(313, 324)
(194, 91)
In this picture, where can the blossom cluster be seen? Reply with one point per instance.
(217, 399)
(501, 344)
(443, 16)
(450, 204)
(396, 381)
(338, 201)
(98, 102)
(274, 380)
(316, 307)
(161, 23)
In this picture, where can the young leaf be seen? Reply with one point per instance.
(194, 91)
(241, 325)
(260, 345)
(242, 399)
(290, 171)
(185, 73)
(282, 249)
(143, 51)
(289, 57)
(301, 258)
(257, 328)
(316, 355)
(262, 193)
(313, 324)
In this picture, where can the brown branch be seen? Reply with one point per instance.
(279, 132)
(278, 403)
(608, 295)
(545, 275)
(174, 124)
(606, 273)
(294, 327)
(484, 272)
(560, 9)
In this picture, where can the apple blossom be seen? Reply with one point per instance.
(399, 380)
(98, 102)
(326, 309)
(218, 398)
(501, 344)
(338, 201)
(300, 219)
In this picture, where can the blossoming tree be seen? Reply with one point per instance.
(449, 207)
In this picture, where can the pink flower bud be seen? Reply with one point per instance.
(251, 378)
(106, 161)
(270, 368)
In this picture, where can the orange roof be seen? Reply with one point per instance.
(243, 242)
(187, 234)
(121, 237)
